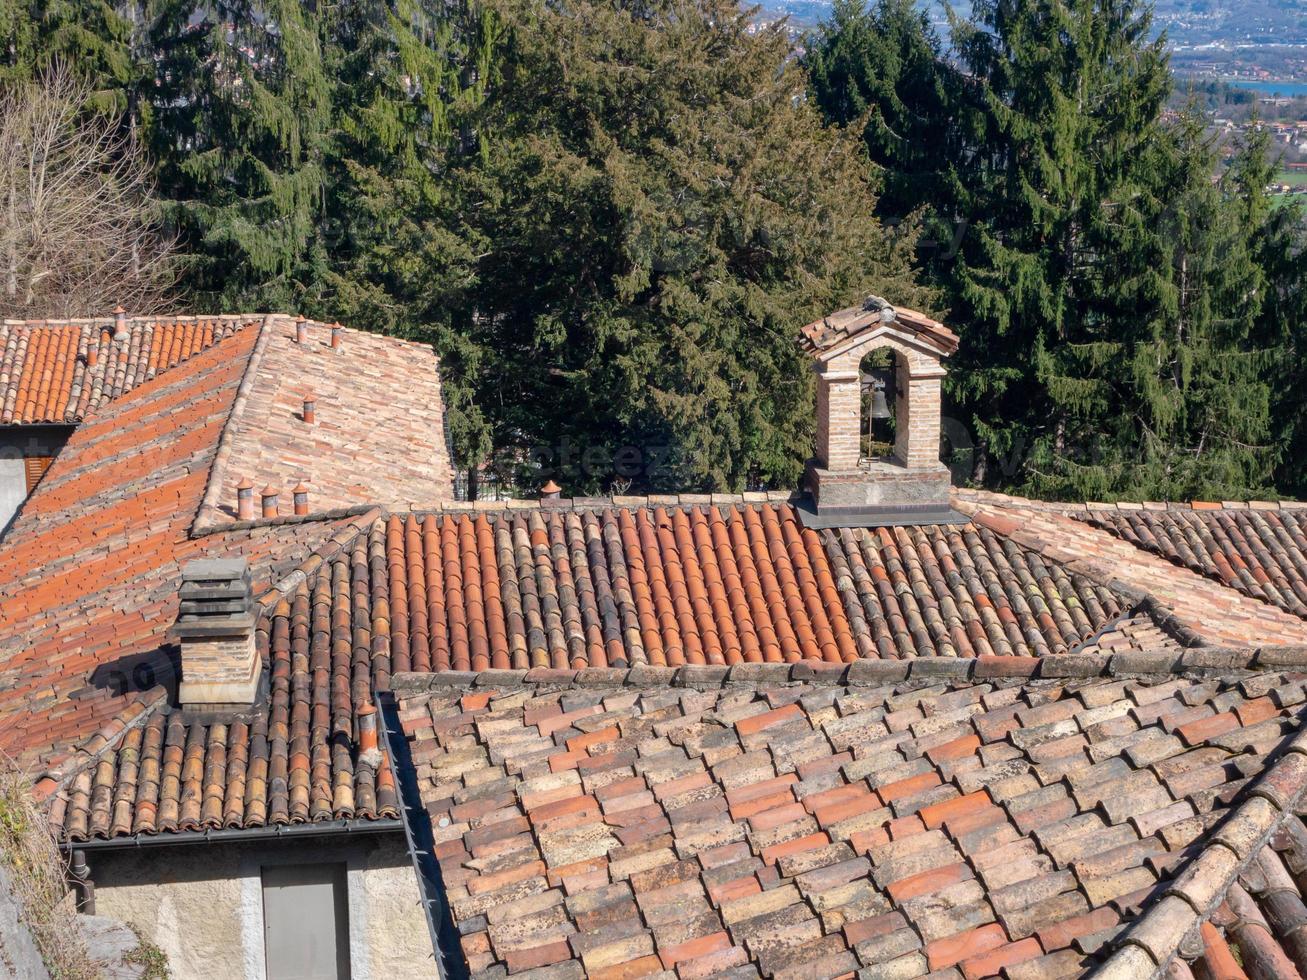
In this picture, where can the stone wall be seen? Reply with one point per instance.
(202, 904)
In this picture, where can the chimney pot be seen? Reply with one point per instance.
(93, 357)
(301, 331)
(119, 323)
(215, 628)
(269, 499)
(245, 500)
(301, 498)
(336, 332)
(550, 491)
(310, 405)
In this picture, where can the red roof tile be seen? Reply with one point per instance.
(1261, 553)
(90, 569)
(1200, 607)
(833, 330)
(1003, 859)
(62, 371)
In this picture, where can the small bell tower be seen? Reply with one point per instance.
(853, 479)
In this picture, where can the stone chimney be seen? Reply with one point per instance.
(215, 626)
(850, 483)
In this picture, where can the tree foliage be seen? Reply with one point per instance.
(1107, 291)
(659, 211)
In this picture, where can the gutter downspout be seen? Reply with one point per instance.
(445, 945)
(79, 874)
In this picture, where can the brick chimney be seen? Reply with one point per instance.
(215, 626)
(849, 482)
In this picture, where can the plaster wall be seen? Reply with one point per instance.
(16, 442)
(202, 904)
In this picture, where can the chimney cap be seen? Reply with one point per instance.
(367, 708)
(215, 569)
(118, 310)
(245, 484)
(270, 491)
(550, 489)
(300, 488)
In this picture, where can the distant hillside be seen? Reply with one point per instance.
(1189, 24)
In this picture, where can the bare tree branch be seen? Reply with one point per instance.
(80, 231)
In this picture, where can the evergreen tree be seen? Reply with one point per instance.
(1104, 288)
(410, 75)
(243, 123)
(880, 67)
(661, 211)
(1167, 394)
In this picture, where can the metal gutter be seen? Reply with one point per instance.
(445, 944)
(298, 831)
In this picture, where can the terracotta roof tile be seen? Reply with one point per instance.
(377, 433)
(1202, 609)
(833, 330)
(91, 567)
(978, 858)
(1261, 553)
(62, 371)
(622, 586)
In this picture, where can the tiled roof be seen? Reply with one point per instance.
(1260, 552)
(61, 371)
(702, 583)
(596, 587)
(833, 330)
(294, 759)
(1200, 608)
(746, 821)
(378, 434)
(89, 571)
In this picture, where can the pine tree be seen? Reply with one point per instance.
(880, 67)
(243, 122)
(661, 212)
(410, 75)
(1185, 409)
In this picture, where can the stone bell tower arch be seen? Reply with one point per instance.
(911, 482)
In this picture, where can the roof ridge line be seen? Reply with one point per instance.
(349, 530)
(1066, 539)
(571, 504)
(220, 457)
(1071, 507)
(1154, 939)
(64, 767)
(283, 520)
(1199, 662)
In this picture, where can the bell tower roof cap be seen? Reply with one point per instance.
(840, 330)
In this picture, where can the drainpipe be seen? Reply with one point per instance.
(80, 879)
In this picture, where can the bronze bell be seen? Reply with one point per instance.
(881, 383)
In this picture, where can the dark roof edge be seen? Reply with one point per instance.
(337, 513)
(418, 836)
(1169, 925)
(238, 835)
(1193, 662)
